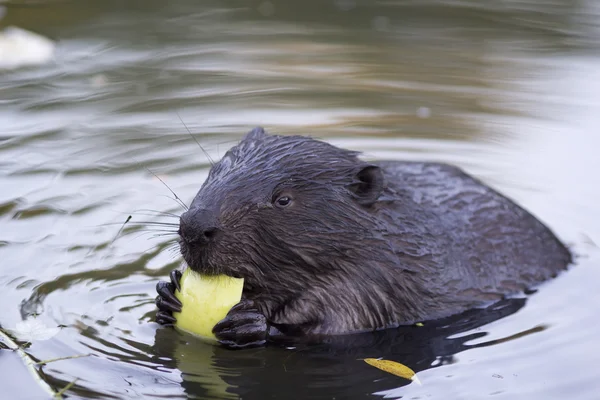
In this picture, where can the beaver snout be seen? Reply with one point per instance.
(198, 226)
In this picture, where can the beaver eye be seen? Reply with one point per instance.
(283, 201)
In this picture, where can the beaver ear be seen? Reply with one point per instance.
(367, 185)
(255, 133)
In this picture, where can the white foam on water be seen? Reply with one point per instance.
(19, 47)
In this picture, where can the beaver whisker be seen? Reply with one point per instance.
(156, 223)
(141, 233)
(165, 234)
(210, 160)
(142, 228)
(177, 199)
(141, 224)
(154, 213)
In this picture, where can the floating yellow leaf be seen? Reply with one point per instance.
(206, 300)
(419, 324)
(394, 368)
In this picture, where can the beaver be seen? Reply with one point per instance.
(330, 244)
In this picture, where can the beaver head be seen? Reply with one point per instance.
(275, 210)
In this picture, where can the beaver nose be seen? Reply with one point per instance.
(198, 226)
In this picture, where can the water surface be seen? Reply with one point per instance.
(507, 90)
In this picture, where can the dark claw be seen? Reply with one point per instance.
(244, 304)
(167, 295)
(164, 305)
(244, 326)
(240, 320)
(164, 318)
(166, 301)
(175, 276)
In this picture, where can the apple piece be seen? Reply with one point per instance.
(206, 300)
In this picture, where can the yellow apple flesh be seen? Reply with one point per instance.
(206, 300)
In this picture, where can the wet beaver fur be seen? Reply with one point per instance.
(329, 244)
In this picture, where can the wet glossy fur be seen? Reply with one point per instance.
(363, 245)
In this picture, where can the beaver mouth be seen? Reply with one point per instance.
(198, 260)
(200, 265)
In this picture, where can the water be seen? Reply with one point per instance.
(507, 90)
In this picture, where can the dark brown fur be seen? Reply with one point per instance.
(362, 245)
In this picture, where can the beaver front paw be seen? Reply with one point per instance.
(244, 326)
(166, 301)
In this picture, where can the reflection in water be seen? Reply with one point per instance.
(328, 366)
(507, 90)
